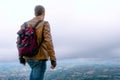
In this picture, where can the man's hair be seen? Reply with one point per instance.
(39, 10)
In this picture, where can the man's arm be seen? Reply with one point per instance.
(48, 41)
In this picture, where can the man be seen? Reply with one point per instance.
(46, 50)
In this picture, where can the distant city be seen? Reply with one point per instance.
(65, 70)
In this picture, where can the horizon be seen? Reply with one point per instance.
(76, 60)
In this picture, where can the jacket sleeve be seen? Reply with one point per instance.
(48, 41)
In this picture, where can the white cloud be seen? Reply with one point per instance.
(80, 28)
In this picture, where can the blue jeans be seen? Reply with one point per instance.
(38, 68)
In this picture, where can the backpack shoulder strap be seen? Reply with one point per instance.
(26, 24)
(37, 23)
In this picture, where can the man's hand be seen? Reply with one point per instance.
(53, 64)
(22, 60)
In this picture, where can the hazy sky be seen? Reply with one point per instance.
(80, 28)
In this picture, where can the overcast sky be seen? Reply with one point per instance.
(80, 28)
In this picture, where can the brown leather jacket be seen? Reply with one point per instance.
(44, 38)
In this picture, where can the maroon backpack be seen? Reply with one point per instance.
(27, 40)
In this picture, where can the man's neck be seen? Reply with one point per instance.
(40, 17)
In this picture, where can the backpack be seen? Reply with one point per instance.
(27, 40)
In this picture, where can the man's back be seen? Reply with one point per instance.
(44, 39)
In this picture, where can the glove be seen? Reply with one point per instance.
(22, 60)
(53, 63)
